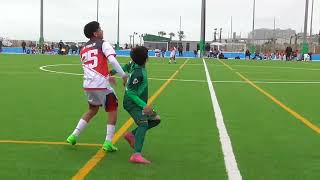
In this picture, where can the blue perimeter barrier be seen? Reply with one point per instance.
(186, 54)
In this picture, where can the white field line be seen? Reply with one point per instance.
(229, 158)
(44, 68)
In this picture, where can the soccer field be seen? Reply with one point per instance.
(269, 109)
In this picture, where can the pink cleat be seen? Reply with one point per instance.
(130, 138)
(138, 159)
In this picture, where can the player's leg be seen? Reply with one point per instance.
(94, 103)
(139, 141)
(83, 122)
(142, 122)
(153, 121)
(111, 106)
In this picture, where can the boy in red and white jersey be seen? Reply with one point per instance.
(95, 56)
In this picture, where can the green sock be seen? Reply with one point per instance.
(139, 136)
(134, 131)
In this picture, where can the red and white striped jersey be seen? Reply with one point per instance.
(94, 58)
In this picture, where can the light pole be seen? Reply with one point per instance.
(253, 20)
(231, 30)
(97, 10)
(220, 35)
(311, 21)
(130, 40)
(141, 37)
(305, 46)
(41, 40)
(203, 27)
(133, 38)
(274, 34)
(118, 33)
(215, 35)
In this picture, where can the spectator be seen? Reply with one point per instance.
(211, 53)
(207, 48)
(80, 47)
(221, 56)
(310, 56)
(52, 46)
(0, 45)
(61, 46)
(67, 47)
(23, 45)
(195, 52)
(247, 54)
(180, 49)
(163, 52)
(74, 49)
(288, 53)
(215, 53)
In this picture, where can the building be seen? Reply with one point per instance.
(268, 34)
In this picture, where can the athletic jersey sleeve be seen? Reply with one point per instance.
(126, 68)
(115, 64)
(108, 50)
(135, 87)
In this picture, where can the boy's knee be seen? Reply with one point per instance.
(93, 109)
(157, 122)
(142, 123)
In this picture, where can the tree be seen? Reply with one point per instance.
(162, 33)
(171, 35)
(181, 35)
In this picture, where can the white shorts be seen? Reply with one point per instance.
(105, 98)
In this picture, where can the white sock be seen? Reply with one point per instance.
(110, 132)
(81, 125)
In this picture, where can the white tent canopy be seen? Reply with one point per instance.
(216, 44)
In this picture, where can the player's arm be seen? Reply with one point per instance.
(135, 87)
(125, 68)
(110, 54)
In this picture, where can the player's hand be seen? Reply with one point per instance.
(124, 79)
(148, 110)
(112, 80)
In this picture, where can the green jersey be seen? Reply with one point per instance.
(136, 93)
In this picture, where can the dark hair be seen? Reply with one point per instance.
(139, 55)
(91, 28)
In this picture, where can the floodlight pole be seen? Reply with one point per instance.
(41, 40)
(253, 20)
(274, 34)
(135, 33)
(203, 28)
(231, 30)
(97, 10)
(306, 22)
(311, 22)
(118, 33)
(305, 47)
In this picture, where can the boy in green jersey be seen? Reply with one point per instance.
(135, 102)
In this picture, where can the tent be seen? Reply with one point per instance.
(216, 44)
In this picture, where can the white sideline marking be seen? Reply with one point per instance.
(229, 158)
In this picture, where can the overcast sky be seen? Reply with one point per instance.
(64, 19)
